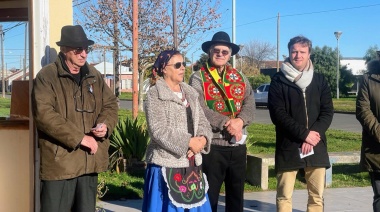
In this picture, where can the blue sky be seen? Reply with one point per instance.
(317, 20)
(257, 20)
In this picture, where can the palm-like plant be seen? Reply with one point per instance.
(129, 141)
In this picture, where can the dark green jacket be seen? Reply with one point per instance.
(64, 112)
(368, 114)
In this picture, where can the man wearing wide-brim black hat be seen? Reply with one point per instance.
(229, 106)
(75, 112)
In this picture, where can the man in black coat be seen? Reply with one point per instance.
(301, 108)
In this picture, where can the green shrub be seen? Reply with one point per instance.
(129, 141)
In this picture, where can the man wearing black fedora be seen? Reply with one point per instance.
(229, 106)
(75, 112)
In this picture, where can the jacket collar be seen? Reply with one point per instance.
(165, 93)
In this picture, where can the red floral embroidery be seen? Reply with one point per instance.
(177, 177)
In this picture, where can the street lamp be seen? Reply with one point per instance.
(337, 35)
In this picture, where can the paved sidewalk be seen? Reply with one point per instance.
(336, 200)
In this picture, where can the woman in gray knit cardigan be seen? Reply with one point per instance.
(179, 133)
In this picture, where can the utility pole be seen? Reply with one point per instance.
(104, 62)
(337, 36)
(174, 9)
(25, 47)
(116, 50)
(278, 42)
(233, 31)
(2, 61)
(135, 59)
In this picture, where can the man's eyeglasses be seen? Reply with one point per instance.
(85, 101)
(177, 65)
(79, 50)
(224, 52)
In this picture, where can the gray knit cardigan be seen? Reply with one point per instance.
(168, 126)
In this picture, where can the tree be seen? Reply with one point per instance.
(371, 54)
(202, 60)
(258, 80)
(110, 22)
(346, 80)
(255, 52)
(325, 61)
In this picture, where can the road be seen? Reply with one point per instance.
(341, 121)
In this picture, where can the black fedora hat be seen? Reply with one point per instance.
(220, 38)
(74, 36)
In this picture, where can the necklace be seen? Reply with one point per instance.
(182, 96)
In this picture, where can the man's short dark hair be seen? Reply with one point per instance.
(302, 40)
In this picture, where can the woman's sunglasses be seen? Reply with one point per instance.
(177, 65)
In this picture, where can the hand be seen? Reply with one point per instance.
(306, 148)
(239, 136)
(190, 153)
(90, 142)
(234, 126)
(313, 138)
(100, 130)
(196, 144)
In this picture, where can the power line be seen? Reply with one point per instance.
(333, 10)
(310, 13)
(79, 3)
(9, 28)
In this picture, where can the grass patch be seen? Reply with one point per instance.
(5, 105)
(262, 140)
(123, 185)
(345, 104)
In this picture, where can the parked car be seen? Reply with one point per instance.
(261, 95)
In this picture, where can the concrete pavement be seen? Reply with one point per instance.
(336, 200)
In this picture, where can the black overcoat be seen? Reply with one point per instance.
(294, 115)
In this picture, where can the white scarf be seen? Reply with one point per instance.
(301, 78)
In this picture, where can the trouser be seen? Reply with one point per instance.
(75, 195)
(375, 182)
(315, 179)
(228, 165)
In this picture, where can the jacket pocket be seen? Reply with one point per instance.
(59, 153)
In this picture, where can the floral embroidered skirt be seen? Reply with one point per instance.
(162, 183)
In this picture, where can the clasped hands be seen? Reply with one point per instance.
(89, 141)
(311, 141)
(235, 127)
(196, 145)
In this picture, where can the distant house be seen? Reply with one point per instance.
(14, 76)
(269, 67)
(125, 75)
(357, 66)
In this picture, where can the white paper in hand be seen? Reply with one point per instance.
(305, 155)
(242, 140)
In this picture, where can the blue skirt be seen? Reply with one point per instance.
(156, 196)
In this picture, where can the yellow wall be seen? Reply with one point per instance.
(61, 14)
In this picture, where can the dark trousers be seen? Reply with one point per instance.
(228, 165)
(375, 182)
(75, 195)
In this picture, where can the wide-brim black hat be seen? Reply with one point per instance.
(74, 36)
(220, 38)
